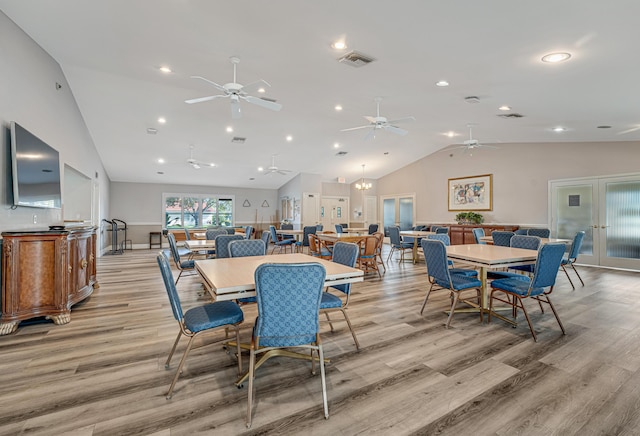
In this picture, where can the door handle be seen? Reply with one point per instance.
(603, 227)
(595, 227)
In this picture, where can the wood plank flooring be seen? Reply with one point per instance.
(103, 374)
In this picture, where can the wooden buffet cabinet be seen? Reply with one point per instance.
(462, 234)
(44, 273)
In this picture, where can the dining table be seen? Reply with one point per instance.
(416, 235)
(488, 257)
(489, 240)
(355, 229)
(298, 234)
(332, 238)
(233, 278)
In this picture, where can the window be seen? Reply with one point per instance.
(197, 210)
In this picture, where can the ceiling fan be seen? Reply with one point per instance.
(632, 129)
(471, 143)
(274, 169)
(236, 92)
(196, 164)
(378, 122)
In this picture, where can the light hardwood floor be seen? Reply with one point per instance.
(103, 374)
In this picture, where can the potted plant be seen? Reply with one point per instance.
(469, 218)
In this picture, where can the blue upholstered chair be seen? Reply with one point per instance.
(248, 232)
(446, 241)
(521, 232)
(284, 243)
(477, 234)
(182, 265)
(318, 249)
(319, 228)
(435, 255)
(373, 228)
(571, 257)
(306, 231)
(502, 238)
(288, 307)
(397, 244)
(211, 234)
(540, 233)
(442, 230)
(538, 288)
(246, 247)
(222, 245)
(198, 320)
(187, 235)
(339, 228)
(517, 241)
(266, 238)
(344, 253)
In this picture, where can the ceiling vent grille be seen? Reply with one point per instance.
(472, 99)
(356, 59)
(341, 153)
(512, 115)
(238, 140)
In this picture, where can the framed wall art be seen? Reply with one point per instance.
(471, 193)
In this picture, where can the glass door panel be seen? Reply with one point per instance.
(406, 213)
(620, 222)
(389, 212)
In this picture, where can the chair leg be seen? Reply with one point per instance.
(252, 362)
(526, 315)
(567, 274)
(577, 273)
(353, 333)
(179, 275)
(424, 304)
(390, 253)
(553, 309)
(324, 382)
(184, 357)
(173, 349)
(329, 319)
(456, 296)
(238, 350)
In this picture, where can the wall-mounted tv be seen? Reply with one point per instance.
(35, 170)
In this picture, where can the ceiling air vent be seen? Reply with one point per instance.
(512, 115)
(341, 153)
(238, 140)
(355, 59)
(472, 99)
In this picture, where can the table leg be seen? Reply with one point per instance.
(415, 250)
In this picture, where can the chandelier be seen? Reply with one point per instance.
(362, 186)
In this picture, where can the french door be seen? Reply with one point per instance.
(608, 210)
(334, 210)
(398, 210)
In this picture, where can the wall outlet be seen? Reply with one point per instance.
(35, 219)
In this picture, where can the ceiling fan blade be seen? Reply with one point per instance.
(263, 103)
(236, 112)
(372, 120)
(355, 128)
(394, 129)
(633, 129)
(254, 86)
(402, 120)
(488, 146)
(220, 87)
(371, 135)
(201, 99)
(282, 172)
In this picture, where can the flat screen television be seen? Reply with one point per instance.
(35, 170)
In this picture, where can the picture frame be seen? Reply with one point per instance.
(472, 193)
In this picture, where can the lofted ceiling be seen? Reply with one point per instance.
(111, 52)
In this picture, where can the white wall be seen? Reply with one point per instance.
(29, 96)
(520, 177)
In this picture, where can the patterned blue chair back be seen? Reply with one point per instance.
(435, 255)
(222, 245)
(248, 232)
(212, 233)
(288, 298)
(339, 228)
(230, 230)
(477, 234)
(247, 247)
(167, 277)
(541, 233)
(442, 230)
(345, 253)
(502, 238)
(574, 251)
(306, 231)
(373, 228)
(521, 232)
(528, 242)
(266, 237)
(394, 236)
(274, 235)
(174, 248)
(441, 237)
(547, 265)
(433, 228)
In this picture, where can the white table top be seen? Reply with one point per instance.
(232, 278)
(416, 233)
(289, 232)
(489, 240)
(491, 256)
(355, 229)
(200, 244)
(345, 237)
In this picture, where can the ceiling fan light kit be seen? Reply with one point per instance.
(379, 122)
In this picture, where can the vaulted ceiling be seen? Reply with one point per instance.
(111, 53)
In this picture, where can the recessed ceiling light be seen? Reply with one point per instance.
(229, 129)
(162, 120)
(165, 69)
(261, 90)
(339, 45)
(555, 57)
(336, 145)
(442, 83)
(260, 169)
(558, 129)
(289, 138)
(450, 134)
(504, 107)
(338, 107)
(160, 161)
